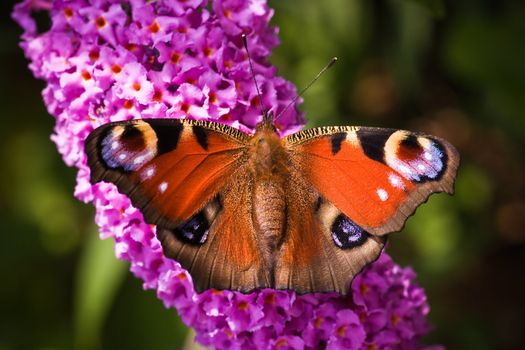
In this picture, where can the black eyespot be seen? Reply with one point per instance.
(347, 234)
(193, 231)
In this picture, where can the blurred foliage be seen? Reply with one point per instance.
(453, 69)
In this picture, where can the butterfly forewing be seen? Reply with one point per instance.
(169, 168)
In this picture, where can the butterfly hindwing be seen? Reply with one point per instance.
(231, 257)
(323, 250)
(377, 177)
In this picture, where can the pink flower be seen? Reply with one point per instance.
(106, 60)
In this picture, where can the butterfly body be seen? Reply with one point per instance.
(305, 212)
(270, 176)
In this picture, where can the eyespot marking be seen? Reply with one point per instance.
(128, 146)
(409, 148)
(346, 234)
(193, 231)
(416, 158)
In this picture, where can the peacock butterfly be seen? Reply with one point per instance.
(305, 212)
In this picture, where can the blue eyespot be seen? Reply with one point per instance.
(194, 231)
(346, 234)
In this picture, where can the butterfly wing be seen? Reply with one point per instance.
(182, 175)
(310, 259)
(356, 185)
(377, 177)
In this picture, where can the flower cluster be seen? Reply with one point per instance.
(107, 60)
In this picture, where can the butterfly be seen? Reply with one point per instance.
(306, 212)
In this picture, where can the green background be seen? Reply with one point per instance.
(454, 69)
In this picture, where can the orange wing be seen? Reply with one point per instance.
(169, 168)
(376, 177)
(189, 178)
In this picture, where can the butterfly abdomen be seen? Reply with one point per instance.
(269, 212)
(270, 176)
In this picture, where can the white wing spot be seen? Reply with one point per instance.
(428, 156)
(148, 172)
(421, 167)
(122, 156)
(382, 194)
(396, 181)
(163, 186)
(115, 145)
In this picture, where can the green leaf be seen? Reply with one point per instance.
(99, 277)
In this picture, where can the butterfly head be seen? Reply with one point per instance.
(266, 124)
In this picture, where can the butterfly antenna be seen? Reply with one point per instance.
(245, 43)
(328, 65)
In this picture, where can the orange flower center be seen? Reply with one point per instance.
(131, 47)
(255, 102)
(243, 306)
(270, 299)
(363, 288)
(68, 12)
(213, 99)
(157, 96)
(116, 69)
(94, 55)
(281, 343)
(175, 58)
(100, 22)
(128, 104)
(85, 75)
(395, 319)
(154, 27)
(185, 108)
